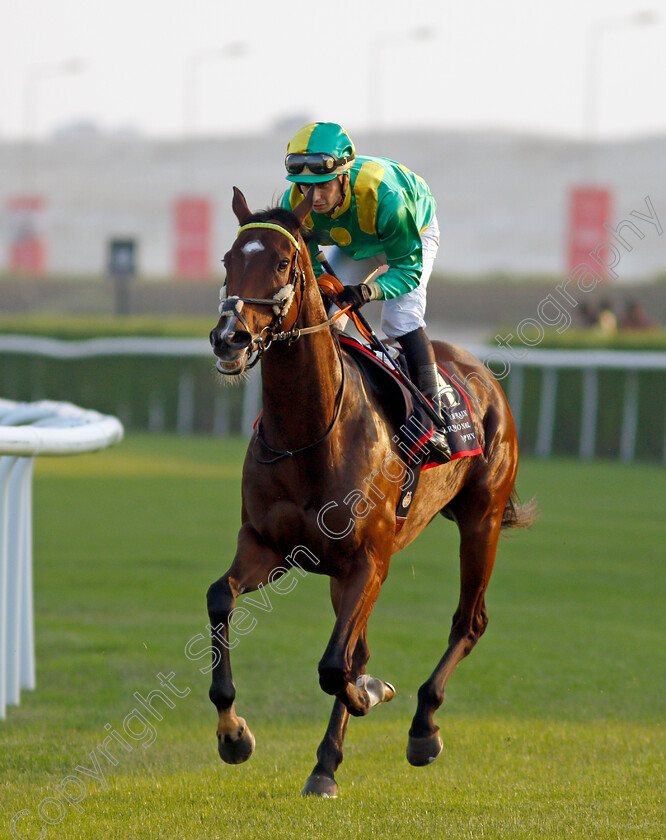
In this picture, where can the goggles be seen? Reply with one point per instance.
(316, 162)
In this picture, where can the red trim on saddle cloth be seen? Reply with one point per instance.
(422, 441)
(347, 339)
(457, 455)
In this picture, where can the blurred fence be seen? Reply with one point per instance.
(576, 403)
(590, 402)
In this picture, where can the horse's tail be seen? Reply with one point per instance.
(519, 515)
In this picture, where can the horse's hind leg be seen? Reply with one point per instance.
(479, 533)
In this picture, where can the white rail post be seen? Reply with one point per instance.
(19, 658)
(544, 442)
(629, 417)
(251, 402)
(28, 430)
(515, 395)
(6, 466)
(588, 421)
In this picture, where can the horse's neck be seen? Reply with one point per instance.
(301, 380)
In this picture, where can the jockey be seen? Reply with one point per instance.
(380, 215)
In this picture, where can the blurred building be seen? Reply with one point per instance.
(503, 197)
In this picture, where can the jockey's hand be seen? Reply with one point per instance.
(356, 296)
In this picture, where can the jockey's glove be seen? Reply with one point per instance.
(358, 296)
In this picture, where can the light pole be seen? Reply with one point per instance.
(594, 41)
(190, 70)
(31, 79)
(27, 250)
(590, 204)
(376, 55)
(192, 214)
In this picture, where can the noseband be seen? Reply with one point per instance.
(281, 303)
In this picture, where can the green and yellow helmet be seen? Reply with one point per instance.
(318, 152)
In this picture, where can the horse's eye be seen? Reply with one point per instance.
(283, 265)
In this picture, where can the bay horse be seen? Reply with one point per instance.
(322, 432)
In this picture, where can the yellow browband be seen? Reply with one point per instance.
(268, 225)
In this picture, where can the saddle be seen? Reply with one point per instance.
(413, 425)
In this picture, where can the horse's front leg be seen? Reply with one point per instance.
(321, 781)
(354, 596)
(353, 600)
(251, 568)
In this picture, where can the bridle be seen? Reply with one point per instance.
(232, 305)
(281, 303)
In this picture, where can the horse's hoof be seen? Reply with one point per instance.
(323, 786)
(423, 751)
(238, 747)
(378, 690)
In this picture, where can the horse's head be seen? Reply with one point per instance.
(264, 283)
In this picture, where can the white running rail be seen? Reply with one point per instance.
(26, 431)
(551, 363)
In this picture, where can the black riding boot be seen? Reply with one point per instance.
(422, 367)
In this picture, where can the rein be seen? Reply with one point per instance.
(288, 453)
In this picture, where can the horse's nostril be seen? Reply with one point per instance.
(239, 339)
(217, 339)
(223, 341)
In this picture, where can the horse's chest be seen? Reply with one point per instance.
(282, 524)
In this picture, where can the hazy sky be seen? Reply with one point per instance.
(512, 64)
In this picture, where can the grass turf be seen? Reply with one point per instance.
(552, 728)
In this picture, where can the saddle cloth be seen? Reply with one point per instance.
(414, 426)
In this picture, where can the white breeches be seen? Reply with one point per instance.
(402, 314)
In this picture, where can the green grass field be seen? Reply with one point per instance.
(553, 728)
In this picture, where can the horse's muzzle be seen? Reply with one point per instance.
(225, 341)
(230, 347)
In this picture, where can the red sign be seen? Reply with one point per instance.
(589, 210)
(27, 249)
(193, 219)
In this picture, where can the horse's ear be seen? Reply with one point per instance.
(301, 210)
(239, 206)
